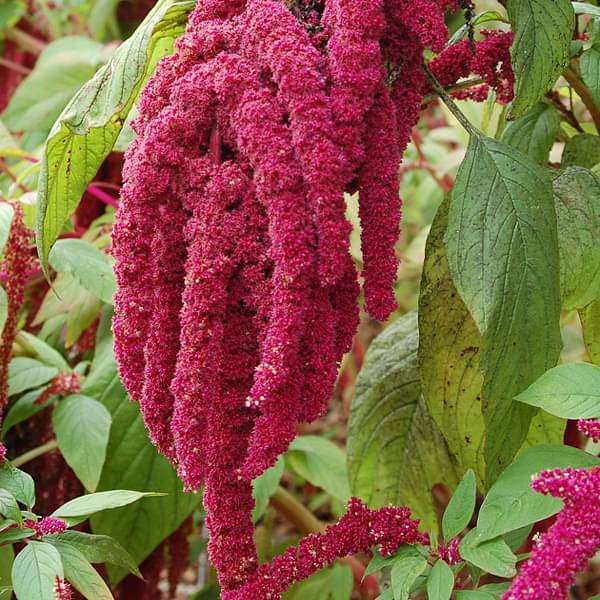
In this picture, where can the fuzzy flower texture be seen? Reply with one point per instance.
(237, 296)
(564, 550)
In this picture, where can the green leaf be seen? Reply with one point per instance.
(571, 391)
(460, 509)
(61, 69)
(320, 462)
(582, 150)
(81, 574)
(589, 64)
(102, 17)
(26, 373)
(493, 556)
(585, 8)
(90, 266)
(7, 557)
(132, 462)
(449, 348)
(93, 503)
(97, 549)
(544, 429)
(515, 539)
(15, 534)
(18, 483)
(590, 323)
(377, 563)
(7, 213)
(335, 583)
(483, 17)
(440, 582)
(264, 487)
(3, 308)
(404, 574)
(503, 255)
(511, 503)
(9, 507)
(395, 451)
(23, 408)
(534, 133)
(577, 202)
(11, 11)
(35, 570)
(82, 427)
(87, 129)
(43, 351)
(543, 30)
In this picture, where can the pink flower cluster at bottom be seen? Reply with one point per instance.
(62, 590)
(357, 531)
(562, 551)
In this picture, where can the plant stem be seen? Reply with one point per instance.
(452, 107)
(575, 82)
(24, 40)
(13, 66)
(34, 453)
(305, 522)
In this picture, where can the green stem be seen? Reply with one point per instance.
(452, 107)
(572, 77)
(24, 40)
(34, 453)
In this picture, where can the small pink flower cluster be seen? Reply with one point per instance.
(562, 551)
(358, 530)
(450, 553)
(62, 589)
(2, 453)
(63, 384)
(490, 60)
(590, 428)
(46, 526)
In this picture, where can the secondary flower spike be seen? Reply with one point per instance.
(237, 296)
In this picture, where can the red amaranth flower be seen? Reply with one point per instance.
(17, 261)
(62, 385)
(562, 551)
(2, 453)
(236, 290)
(357, 531)
(46, 526)
(590, 428)
(62, 589)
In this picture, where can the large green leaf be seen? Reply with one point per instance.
(543, 31)
(582, 150)
(35, 570)
(42, 351)
(6, 561)
(264, 486)
(61, 69)
(503, 255)
(90, 504)
(97, 548)
(9, 507)
(26, 373)
(440, 582)
(89, 265)
(449, 346)
(86, 131)
(571, 391)
(493, 556)
(133, 463)
(396, 453)
(404, 574)
(18, 483)
(534, 133)
(577, 202)
(81, 574)
(320, 462)
(511, 503)
(23, 408)
(590, 72)
(335, 583)
(82, 427)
